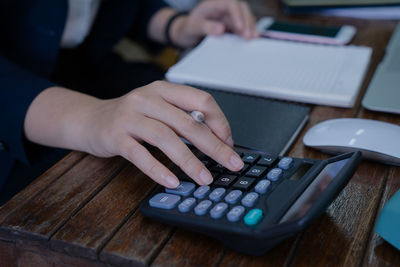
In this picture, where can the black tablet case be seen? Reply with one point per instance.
(260, 123)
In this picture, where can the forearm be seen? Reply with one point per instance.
(57, 117)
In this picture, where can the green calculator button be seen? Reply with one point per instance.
(253, 217)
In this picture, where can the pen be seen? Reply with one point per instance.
(197, 115)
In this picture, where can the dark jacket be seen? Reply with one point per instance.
(30, 35)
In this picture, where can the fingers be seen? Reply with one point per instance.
(236, 15)
(249, 30)
(189, 98)
(209, 27)
(158, 134)
(137, 154)
(197, 133)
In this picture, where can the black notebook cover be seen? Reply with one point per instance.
(262, 123)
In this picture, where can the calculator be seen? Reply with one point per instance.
(269, 200)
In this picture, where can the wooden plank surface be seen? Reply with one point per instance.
(8, 254)
(83, 211)
(39, 218)
(379, 252)
(85, 233)
(340, 235)
(139, 240)
(41, 183)
(189, 249)
(137, 243)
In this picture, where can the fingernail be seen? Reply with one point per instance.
(172, 182)
(205, 177)
(229, 141)
(237, 162)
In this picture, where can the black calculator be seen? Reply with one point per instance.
(250, 211)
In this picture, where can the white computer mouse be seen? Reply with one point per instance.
(375, 139)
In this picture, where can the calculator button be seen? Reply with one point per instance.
(239, 153)
(256, 171)
(201, 192)
(233, 196)
(206, 161)
(274, 174)
(217, 168)
(253, 217)
(250, 199)
(245, 167)
(217, 194)
(164, 201)
(183, 189)
(244, 183)
(262, 186)
(285, 163)
(219, 210)
(235, 213)
(187, 204)
(202, 207)
(266, 161)
(225, 180)
(250, 158)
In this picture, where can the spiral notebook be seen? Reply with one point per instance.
(302, 72)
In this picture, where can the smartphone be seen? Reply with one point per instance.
(268, 27)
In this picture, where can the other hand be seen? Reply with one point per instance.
(214, 17)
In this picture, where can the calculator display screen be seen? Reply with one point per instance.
(314, 191)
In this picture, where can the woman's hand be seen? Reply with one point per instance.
(155, 113)
(213, 17)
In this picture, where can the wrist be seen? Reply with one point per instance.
(174, 29)
(58, 117)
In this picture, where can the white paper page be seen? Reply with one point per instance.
(274, 68)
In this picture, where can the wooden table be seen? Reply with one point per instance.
(84, 210)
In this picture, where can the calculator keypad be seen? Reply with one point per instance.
(183, 189)
(225, 180)
(235, 213)
(219, 210)
(187, 204)
(233, 195)
(203, 207)
(244, 183)
(164, 201)
(217, 194)
(201, 192)
(250, 199)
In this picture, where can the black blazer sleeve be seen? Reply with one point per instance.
(18, 88)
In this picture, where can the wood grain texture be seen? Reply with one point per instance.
(137, 243)
(85, 233)
(379, 252)
(32, 256)
(281, 255)
(340, 235)
(8, 255)
(188, 249)
(40, 183)
(79, 214)
(39, 218)
(139, 240)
